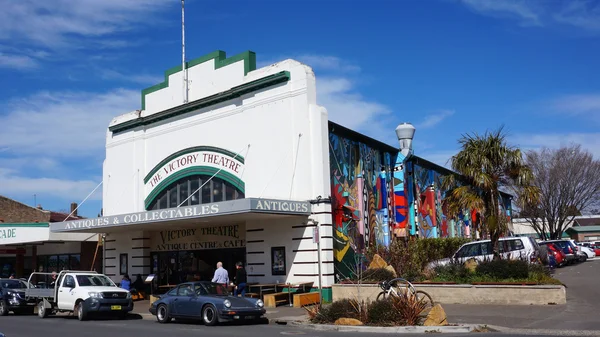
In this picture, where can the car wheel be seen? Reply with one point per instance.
(42, 311)
(3, 308)
(209, 315)
(81, 313)
(583, 258)
(162, 314)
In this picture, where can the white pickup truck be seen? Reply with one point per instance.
(81, 292)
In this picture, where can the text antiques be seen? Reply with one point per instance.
(200, 238)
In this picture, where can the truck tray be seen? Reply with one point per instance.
(34, 292)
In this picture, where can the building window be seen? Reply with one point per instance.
(182, 193)
(56, 263)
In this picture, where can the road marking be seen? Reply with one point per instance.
(293, 333)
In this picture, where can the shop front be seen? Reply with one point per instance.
(233, 169)
(180, 255)
(28, 247)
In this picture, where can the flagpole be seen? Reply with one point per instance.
(183, 66)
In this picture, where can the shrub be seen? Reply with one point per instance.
(377, 275)
(382, 312)
(455, 272)
(504, 269)
(409, 308)
(345, 308)
(409, 257)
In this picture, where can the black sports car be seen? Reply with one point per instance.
(206, 301)
(12, 297)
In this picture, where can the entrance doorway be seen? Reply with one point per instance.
(183, 266)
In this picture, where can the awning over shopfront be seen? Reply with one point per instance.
(14, 234)
(225, 211)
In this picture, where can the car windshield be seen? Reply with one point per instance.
(14, 284)
(94, 281)
(216, 289)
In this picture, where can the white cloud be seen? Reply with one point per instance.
(16, 185)
(145, 79)
(55, 23)
(62, 124)
(589, 141)
(20, 62)
(517, 9)
(585, 104)
(330, 63)
(325, 63)
(580, 14)
(349, 108)
(433, 120)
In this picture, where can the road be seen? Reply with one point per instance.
(580, 312)
(583, 297)
(32, 326)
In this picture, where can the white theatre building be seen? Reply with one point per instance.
(238, 173)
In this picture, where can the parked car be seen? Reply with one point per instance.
(580, 253)
(568, 248)
(210, 302)
(588, 251)
(12, 297)
(557, 253)
(596, 249)
(523, 248)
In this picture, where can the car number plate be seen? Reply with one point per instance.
(249, 317)
(115, 307)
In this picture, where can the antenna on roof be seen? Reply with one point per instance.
(183, 67)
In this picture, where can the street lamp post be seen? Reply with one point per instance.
(405, 133)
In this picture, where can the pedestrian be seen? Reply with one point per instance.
(240, 280)
(12, 276)
(221, 276)
(126, 282)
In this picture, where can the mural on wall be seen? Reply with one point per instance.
(361, 200)
(431, 219)
(400, 200)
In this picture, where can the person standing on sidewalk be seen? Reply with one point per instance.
(221, 276)
(240, 280)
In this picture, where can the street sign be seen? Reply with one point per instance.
(316, 235)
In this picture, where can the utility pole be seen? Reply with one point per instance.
(183, 65)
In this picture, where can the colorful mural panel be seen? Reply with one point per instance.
(361, 179)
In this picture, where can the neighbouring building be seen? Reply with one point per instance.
(243, 165)
(580, 228)
(27, 244)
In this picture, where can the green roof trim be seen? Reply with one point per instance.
(28, 224)
(584, 229)
(190, 150)
(191, 171)
(232, 93)
(220, 59)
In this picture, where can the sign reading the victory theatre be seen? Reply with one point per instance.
(199, 238)
(210, 159)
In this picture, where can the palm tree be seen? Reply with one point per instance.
(485, 165)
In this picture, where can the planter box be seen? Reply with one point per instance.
(467, 293)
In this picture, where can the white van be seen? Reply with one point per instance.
(513, 248)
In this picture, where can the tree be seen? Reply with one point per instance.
(569, 182)
(485, 165)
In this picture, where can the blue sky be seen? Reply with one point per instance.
(447, 66)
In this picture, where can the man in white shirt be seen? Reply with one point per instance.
(221, 275)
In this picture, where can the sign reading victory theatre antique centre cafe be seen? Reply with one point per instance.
(206, 160)
(200, 238)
